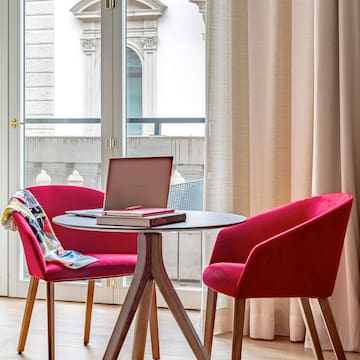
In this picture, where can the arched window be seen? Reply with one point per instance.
(134, 90)
(142, 15)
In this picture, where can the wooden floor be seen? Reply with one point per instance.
(69, 327)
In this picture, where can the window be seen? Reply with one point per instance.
(64, 113)
(134, 90)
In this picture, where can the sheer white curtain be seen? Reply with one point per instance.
(283, 121)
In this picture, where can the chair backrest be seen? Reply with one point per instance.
(187, 195)
(305, 256)
(56, 199)
(33, 255)
(298, 250)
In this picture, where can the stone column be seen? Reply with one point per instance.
(148, 45)
(90, 43)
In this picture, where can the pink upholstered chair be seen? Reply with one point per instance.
(290, 251)
(117, 253)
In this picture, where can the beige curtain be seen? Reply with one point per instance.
(284, 123)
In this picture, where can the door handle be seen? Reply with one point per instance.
(14, 123)
(110, 4)
(109, 143)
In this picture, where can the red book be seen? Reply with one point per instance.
(138, 212)
(142, 221)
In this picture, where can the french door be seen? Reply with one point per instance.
(4, 140)
(59, 82)
(81, 75)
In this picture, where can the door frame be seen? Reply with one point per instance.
(4, 128)
(113, 130)
(15, 110)
(12, 95)
(113, 86)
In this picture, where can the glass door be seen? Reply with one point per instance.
(165, 83)
(89, 80)
(4, 141)
(56, 135)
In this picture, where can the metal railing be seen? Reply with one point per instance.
(184, 267)
(156, 121)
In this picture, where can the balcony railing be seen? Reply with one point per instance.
(156, 121)
(59, 156)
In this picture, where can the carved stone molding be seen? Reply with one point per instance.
(202, 7)
(87, 9)
(141, 33)
(88, 45)
(148, 43)
(142, 16)
(145, 9)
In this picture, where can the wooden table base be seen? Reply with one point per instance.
(149, 268)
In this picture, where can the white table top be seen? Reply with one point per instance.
(195, 220)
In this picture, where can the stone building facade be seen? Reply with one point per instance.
(39, 58)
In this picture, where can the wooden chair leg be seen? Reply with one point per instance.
(154, 326)
(238, 328)
(32, 290)
(209, 321)
(310, 326)
(50, 319)
(331, 328)
(88, 311)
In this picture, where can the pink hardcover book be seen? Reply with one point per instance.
(136, 211)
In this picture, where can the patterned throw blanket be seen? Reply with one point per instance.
(26, 204)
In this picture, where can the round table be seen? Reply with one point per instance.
(150, 269)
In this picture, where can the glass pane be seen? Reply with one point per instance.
(134, 90)
(166, 105)
(62, 92)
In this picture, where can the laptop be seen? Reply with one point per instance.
(133, 182)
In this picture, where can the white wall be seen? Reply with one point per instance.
(180, 58)
(181, 62)
(69, 62)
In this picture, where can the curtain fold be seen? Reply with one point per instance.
(283, 122)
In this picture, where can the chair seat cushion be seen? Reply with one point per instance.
(109, 265)
(223, 277)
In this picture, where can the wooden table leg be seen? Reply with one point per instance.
(150, 267)
(154, 326)
(167, 289)
(142, 276)
(142, 323)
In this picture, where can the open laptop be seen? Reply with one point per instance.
(134, 181)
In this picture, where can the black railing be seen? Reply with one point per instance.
(156, 121)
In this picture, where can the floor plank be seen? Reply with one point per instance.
(69, 333)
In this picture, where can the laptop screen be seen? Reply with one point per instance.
(140, 181)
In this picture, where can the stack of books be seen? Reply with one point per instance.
(140, 216)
